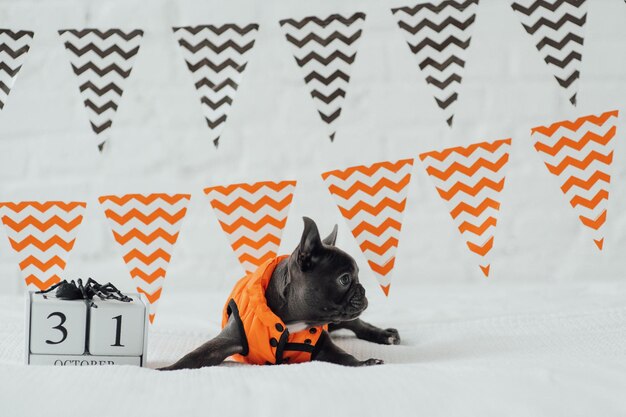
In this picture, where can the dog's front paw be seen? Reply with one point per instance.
(387, 337)
(393, 337)
(371, 362)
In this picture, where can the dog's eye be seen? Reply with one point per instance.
(344, 279)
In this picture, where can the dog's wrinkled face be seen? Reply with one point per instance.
(328, 279)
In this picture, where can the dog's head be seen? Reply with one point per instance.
(325, 279)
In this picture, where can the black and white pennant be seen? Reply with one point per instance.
(325, 48)
(557, 28)
(439, 35)
(102, 61)
(217, 57)
(14, 46)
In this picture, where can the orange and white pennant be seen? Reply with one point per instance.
(43, 235)
(146, 227)
(253, 216)
(470, 180)
(372, 200)
(580, 152)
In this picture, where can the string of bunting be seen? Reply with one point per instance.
(372, 199)
(324, 47)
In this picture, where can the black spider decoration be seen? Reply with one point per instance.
(72, 291)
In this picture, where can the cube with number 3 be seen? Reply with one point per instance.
(57, 326)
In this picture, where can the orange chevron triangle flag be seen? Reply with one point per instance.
(580, 153)
(372, 200)
(470, 179)
(253, 216)
(43, 235)
(146, 227)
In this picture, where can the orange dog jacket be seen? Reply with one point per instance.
(266, 338)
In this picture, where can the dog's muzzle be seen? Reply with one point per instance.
(358, 301)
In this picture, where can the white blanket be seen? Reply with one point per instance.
(479, 350)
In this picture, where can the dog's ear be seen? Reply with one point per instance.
(331, 238)
(310, 244)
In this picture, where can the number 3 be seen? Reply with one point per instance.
(58, 327)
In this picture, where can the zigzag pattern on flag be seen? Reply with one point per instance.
(14, 46)
(580, 153)
(253, 217)
(102, 61)
(557, 27)
(439, 36)
(43, 235)
(146, 228)
(325, 49)
(217, 57)
(469, 179)
(372, 200)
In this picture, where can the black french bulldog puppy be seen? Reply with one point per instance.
(317, 284)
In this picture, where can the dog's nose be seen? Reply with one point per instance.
(358, 300)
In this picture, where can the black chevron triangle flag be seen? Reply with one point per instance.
(102, 61)
(325, 48)
(14, 46)
(439, 35)
(217, 57)
(557, 28)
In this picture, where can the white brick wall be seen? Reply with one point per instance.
(160, 141)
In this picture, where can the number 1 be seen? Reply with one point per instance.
(118, 331)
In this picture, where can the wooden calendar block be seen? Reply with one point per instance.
(57, 326)
(74, 333)
(84, 360)
(117, 328)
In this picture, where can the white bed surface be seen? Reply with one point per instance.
(467, 350)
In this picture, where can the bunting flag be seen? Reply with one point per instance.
(146, 227)
(372, 200)
(439, 36)
(253, 216)
(470, 179)
(217, 57)
(43, 235)
(557, 28)
(325, 49)
(580, 153)
(14, 46)
(102, 61)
